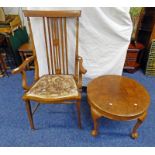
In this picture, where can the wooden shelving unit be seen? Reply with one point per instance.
(147, 30)
(137, 55)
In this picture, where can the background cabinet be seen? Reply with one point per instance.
(147, 28)
(146, 37)
(138, 54)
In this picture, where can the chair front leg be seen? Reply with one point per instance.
(29, 112)
(78, 113)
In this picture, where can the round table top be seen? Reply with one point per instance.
(118, 96)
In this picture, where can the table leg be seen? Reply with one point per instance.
(140, 120)
(95, 117)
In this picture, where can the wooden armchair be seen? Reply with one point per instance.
(58, 86)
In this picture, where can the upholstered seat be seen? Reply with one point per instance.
(53, 87)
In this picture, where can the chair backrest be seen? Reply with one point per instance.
(55, 37)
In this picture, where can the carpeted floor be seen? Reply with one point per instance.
(57, 124)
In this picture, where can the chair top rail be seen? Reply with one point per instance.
(55, 13)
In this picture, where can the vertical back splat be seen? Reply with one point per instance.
(56, 39)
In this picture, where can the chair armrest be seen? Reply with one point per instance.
(23, 65)
(82, 70)
(21, 69)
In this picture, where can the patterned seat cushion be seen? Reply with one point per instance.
(54, 87)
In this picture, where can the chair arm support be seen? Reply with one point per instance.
(21, 69)
(23, 65)
(82, 70)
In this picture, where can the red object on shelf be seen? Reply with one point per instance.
(136, 46)
(131, 62)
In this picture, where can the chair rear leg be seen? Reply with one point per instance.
(29, 112)
(78, 112)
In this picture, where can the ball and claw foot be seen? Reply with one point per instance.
(134, 135)
(94, 133)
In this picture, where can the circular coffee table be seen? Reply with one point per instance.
(117, 98)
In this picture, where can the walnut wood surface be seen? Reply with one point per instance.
(117, 98)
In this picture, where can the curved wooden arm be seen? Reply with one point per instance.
(23, 65)
(21, 69)
(82, 70)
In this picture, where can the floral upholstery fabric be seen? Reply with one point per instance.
(54, 86)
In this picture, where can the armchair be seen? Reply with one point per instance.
(58, 86)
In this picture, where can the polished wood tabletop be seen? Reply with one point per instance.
(117, 97)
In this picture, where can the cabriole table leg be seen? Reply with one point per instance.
(95, 117)
(140, 120)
